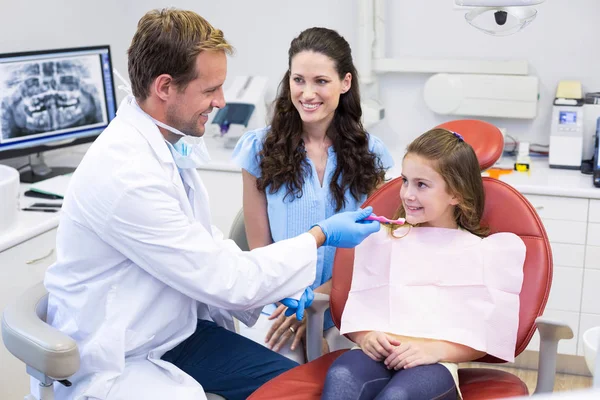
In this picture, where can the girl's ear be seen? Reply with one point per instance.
(455, 200)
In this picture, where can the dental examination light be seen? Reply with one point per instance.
(499, 17)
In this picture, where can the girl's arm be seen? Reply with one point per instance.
(377, 345)
(411, 354)
(256, 219)
(357, 337)
(456, 353)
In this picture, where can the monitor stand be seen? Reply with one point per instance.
(39, 171)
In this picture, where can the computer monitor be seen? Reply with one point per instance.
(52, 99)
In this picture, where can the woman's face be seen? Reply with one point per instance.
(424, 194)
(315, 88)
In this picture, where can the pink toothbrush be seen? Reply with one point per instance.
(384, 220)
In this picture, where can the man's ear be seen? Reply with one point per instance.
(346, 82)
(162, 86)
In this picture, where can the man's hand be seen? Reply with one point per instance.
(348, 229)
(298, 306)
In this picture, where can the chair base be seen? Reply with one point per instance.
(40, 391)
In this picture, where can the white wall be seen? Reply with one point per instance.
(261, 30)
(562, 43)
(39, 24)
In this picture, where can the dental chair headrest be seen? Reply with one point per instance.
(485, 138)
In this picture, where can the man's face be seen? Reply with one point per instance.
(188, 111)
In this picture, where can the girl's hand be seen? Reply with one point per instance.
(378, 345)
(412, 354)
(280, 332)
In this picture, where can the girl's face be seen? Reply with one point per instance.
(315, 87)
(424, 194)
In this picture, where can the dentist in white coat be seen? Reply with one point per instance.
(143, 280)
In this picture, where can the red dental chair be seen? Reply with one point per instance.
(506, 210)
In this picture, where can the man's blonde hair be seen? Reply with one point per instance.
(168, 41)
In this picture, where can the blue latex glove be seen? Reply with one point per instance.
(348, 229)
(298, 306)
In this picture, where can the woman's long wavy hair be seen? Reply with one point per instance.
(455, 160)
(283, 158)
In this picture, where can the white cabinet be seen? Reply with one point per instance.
(592, 257)
(565, 294)
(568, 255)
(566, 220)
(560, 208)
(21, 267)
(590, 302)
(594, 213)
(562, 231)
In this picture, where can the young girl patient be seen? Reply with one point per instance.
(431, 293)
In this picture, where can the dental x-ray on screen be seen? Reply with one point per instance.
(51, 96)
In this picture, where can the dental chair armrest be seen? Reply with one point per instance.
(551, 332)
(37, 344)
(314, 326)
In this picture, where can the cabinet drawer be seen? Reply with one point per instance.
(568, 255)
(564, 346)
(593, 234)
(592, 257)
(570, 232)
(590, 301)
(594, 214)
(561, 208)
(565, 294)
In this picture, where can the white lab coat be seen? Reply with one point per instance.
(138, 263)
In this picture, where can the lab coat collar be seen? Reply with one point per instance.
(130, 113)
(128, 110)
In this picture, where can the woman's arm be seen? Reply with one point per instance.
(256, 218)
(324, 288)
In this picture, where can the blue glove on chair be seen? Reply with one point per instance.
(298, 306)
(348, 229)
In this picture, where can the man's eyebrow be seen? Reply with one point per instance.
(208, 89)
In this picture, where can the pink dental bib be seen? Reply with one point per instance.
(437, 283)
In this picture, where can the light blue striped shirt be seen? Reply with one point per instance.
(293, 216)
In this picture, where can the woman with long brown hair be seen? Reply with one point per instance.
(315, 159)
